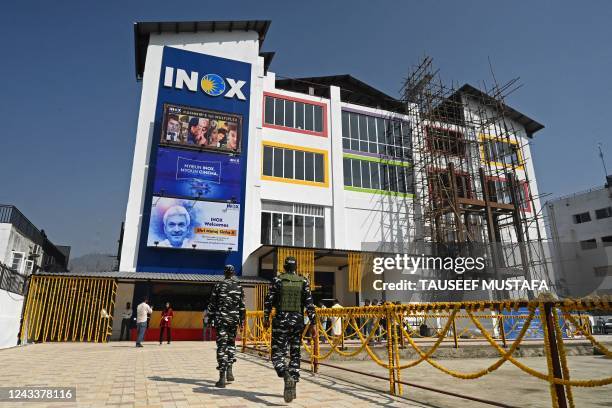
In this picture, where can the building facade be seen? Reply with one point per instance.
(581, 231)
(327, 164)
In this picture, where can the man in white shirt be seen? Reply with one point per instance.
(126, 318)
(142, 312)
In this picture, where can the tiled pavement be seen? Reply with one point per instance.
(178, 375)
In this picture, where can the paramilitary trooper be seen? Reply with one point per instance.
(289, 294)
(226, 313)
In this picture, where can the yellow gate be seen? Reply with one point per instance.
(69, 309)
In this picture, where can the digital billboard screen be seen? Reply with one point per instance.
(200, 128)
(196, 225)
(204, 175)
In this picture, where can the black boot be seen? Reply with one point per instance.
(229, 375)
(289, 387)
(221, 382)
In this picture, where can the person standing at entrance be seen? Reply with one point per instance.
(226, 312)
(165, 323)
(289, 294)
(126, 320)
(142, 313)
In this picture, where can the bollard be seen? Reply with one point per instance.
(502, 331)
(315, 348)
(390, 349)
(455, 333)
(244, 325)
(554, 354)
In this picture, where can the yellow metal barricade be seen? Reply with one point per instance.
(386, 327)
(62, 308)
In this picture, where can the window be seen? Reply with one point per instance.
(374, 175)
(582, 217)
(29, 267)
(283, 162)
(371, 134)
(445, 141)
(499, 192)
(501, 152)
(603, 271)
(440, 187)
(607, 240)
(292, 224)
(603, 213)
(299, 115)
(17, 261)
(588, 244)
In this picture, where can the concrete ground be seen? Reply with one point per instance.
(178, 375)
(183, 375)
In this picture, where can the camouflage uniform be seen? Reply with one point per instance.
(287, 327)
(226, 309)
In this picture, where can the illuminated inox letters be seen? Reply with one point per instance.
(211, 84)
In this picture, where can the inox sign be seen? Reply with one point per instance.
(210, 84)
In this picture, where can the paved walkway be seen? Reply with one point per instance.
(178, 375)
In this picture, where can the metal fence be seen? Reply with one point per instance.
(11, 280)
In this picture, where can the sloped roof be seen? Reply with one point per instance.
(156, 276)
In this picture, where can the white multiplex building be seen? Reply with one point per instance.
(323, 171)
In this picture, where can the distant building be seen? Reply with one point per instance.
(25, 248)
(581, 231)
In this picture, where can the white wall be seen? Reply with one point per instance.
(10, 316)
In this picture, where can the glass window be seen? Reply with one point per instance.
(299, 165)
(346, 164)
(289, 113)
(279, 112)
(363, 128)
(356, 173)
(267, 161)
(298, 230)
(365, 173)
(371, 129)
(409, 179)
(17, 261)
(318, 118)
(354, 126)
(288, 165)
(309, 123)
(603, 213)
(308, 231)
(401, 179)
(277, 226)
(346, 131)
(266, 224)
(269, 110)
(392, 178)
(375, 176)
(287, 229)
(380, 130)
(384, 177)
(309, 166)
(354, 144)
(278, 162)
(346, 143)
(319, 168)
(373, 147)
(299, 115)
(319, 233)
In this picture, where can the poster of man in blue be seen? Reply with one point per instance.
(196, 189)
(201, 175)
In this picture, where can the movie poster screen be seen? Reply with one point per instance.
(200, 128)
(193, 174)
(196, 225)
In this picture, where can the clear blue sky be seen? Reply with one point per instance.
(69, 99)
